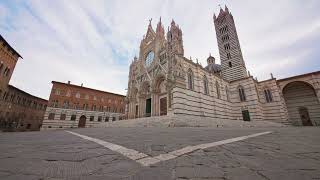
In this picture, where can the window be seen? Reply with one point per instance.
(218, 90)
(99, 118)
(1, 67)
(94, 107)
(73, 117)
(55, 103)
(242, 94)
(66, 104)
(91, 118)
(85, 106)
(190, 79)
(77, 95)
(6, 71)
(227, 46)
(51, 116)
(149, 58)
(63, 117)
(205, 85)
(87, 96)
(229, 57)
(227, 93)
(106, 119)
(113, 118)
(68, 93)
(57, 91)
(230, 64)
(268, 95)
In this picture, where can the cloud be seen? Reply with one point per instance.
(94, 42)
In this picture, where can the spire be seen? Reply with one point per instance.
(226, 9)
(173, 23)
(160, 29)
(150, 31)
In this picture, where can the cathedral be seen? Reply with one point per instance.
(162, 82)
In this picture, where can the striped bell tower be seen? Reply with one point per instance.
(232, 63)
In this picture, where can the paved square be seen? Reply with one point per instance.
(286, 153)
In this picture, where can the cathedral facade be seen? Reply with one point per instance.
(162, 82)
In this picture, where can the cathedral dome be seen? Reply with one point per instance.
(213, 68)
(211, 60)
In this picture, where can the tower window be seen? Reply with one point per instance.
(230, 64)
(227, 46)
(228, 55)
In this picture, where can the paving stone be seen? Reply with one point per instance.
(287, 153)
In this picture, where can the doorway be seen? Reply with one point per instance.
(82, 121)
(163, 106)
(148, 107)
(246, 115)
(304, 116)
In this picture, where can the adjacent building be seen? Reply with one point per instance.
(72, 106)
(19, 110)
(164, 82)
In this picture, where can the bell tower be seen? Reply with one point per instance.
(232, 63)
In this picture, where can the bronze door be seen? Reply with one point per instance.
(163, 106)
(82, 122)
(305, 118)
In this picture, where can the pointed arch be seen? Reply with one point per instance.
(205, 85)
(268, 95)
(190, 79)
(218, 90)
(242, 93)
(227, 93)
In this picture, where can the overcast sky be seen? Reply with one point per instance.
(93, 42)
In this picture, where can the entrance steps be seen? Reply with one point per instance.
(187, 121)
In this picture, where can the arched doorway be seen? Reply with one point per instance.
(82, 121)
(302, 103)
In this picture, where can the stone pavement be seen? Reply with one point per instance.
(287, 153)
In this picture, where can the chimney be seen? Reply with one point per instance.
(68, 82)
(81, 84)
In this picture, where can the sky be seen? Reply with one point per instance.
(93, 42)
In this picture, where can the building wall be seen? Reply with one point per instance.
(8, 60)
(58, 123)
(21, 111)
(70, 99)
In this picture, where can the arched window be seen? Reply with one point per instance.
(218, 90)
(205, 85)
(190, 80)
(268, 95)
(242, 94)
(230, 64)
(227, 93)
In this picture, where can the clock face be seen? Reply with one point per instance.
(149, 58)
